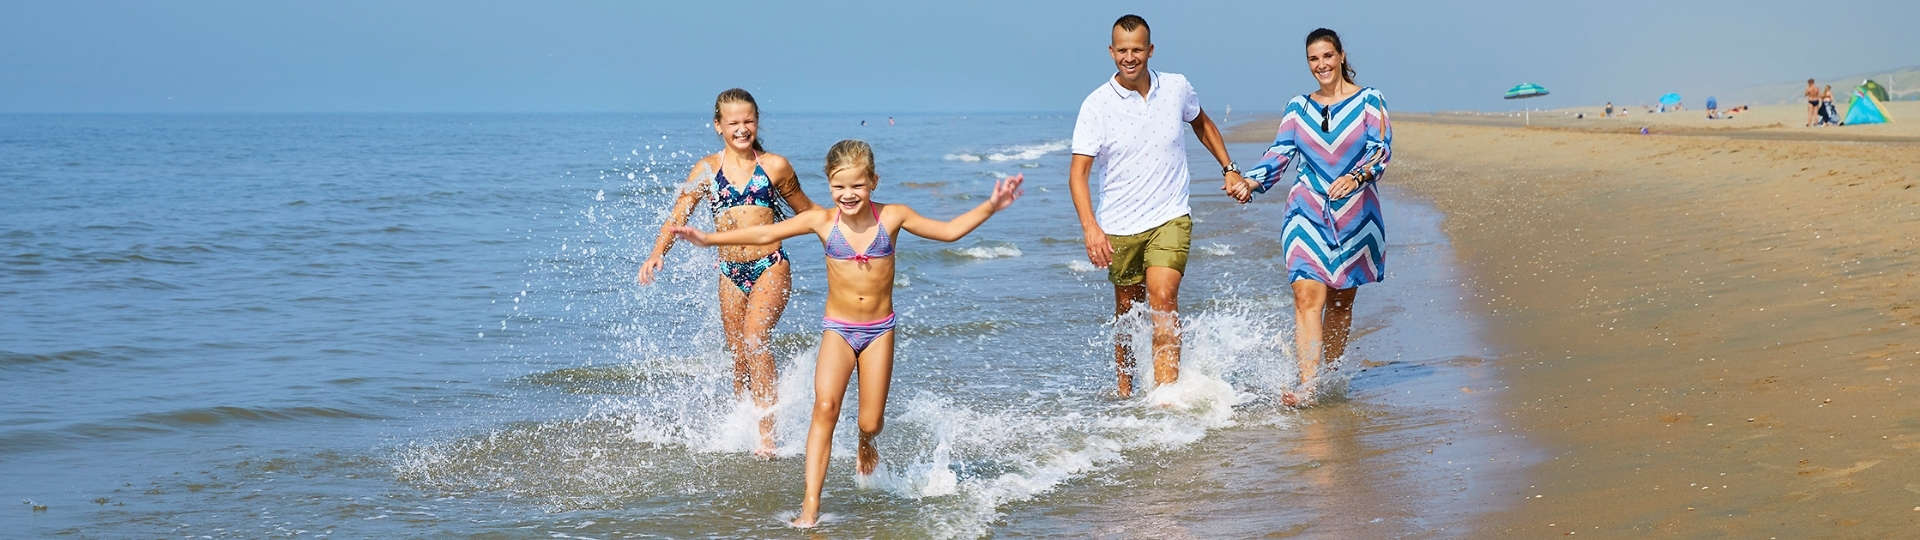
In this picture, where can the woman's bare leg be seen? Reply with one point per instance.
(1338, 322)
(1309, 301)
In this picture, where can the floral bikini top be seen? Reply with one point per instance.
(759, 192)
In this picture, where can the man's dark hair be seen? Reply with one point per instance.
(1131, 22)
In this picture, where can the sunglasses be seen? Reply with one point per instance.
(1325, 111)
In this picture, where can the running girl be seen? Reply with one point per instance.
(859, 315)
(754, 279)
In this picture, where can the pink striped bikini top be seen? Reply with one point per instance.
(838, 248)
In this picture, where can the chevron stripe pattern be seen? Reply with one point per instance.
(1341, 242)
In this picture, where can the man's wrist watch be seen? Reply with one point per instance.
(1233, 168)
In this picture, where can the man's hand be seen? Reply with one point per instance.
(1099, 252)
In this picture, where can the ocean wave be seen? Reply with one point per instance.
(76, 355)
(1216, 249)
(987, 250)
(1018, 152)
(960, 460)
(1081, 266)
(210, 416)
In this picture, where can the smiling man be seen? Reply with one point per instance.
(1130, 127)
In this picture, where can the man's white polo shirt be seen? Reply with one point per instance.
(1139, 151)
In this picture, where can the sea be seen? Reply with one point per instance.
(405, 325)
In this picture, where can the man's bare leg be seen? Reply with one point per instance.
(1124, 297)
(1163, 297)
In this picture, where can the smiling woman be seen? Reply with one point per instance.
(1334, 234)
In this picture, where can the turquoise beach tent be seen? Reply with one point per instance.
(1864, 109)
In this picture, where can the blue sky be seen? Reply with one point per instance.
(896, 57)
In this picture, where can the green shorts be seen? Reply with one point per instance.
(1164, 246)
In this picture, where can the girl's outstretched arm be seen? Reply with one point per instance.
(690, 194)
(1004, 193)
(805, 222)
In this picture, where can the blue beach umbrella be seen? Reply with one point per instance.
(1670, 99)
(1524, 91)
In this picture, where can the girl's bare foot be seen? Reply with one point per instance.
(809, 514)
(765, 451)
(868, 456)
(1297, 398)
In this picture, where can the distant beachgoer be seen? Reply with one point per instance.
(1334, 233)
(1713, 109)
(1813, 102)
(889, 120)
(1131, 124)
(863, 122)
(754, 280)
(859, 288)
(1609, 111)
(1829, 115)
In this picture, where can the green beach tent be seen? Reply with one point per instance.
(1864, 109)
(1874, 89)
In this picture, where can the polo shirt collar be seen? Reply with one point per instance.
(1153, 85)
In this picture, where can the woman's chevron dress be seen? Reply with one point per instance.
(1342, 242)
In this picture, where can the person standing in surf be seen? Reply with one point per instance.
(859, 288)
(754, 279)
(1333, 232)
(1130, 128)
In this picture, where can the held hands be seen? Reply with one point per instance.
(690, 234)
(1238, 187)
(1005, 191)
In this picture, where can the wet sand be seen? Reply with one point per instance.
(1707, 335)
(1405, 454)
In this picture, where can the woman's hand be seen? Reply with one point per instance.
(1342, 187)
(648, 270)
(689, 234)
(1238, 187)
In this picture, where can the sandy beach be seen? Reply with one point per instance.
(1769, 122)
(1708, 333)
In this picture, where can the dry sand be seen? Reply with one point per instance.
(1775, 122)
(1709, 335)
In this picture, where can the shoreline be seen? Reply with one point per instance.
(1709, 334)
